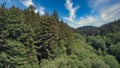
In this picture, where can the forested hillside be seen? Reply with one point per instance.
(111, 27)
(29, 40)
(105, 38)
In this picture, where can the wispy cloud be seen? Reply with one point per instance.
(27, 2)
(111, 13)
(90, 20)
(96, 4)
(103, 11)
(39, 9)
(71, 9)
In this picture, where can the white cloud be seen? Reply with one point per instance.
(90, 20)
(111, 13)
(39, 9)
(105, 10)
(71, 9)
(27, 2)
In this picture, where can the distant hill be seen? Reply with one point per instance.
(104, 29)
(110, 27)
(88, 30)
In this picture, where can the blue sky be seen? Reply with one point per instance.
(75, 13)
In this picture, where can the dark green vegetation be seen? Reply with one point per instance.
(28, 40)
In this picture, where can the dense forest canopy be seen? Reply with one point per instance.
(29, 40)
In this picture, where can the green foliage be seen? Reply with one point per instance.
(115, 50)
(66, 33)
(88, 30)
(114, 37)
(111, 61)
(98, 63)
(62, 61)
(110, 27)
(102, 30)
(55, 15)
(97, 42)
(28, 40)
(95, 62)
(99, 51)
(16, 41)
(48, 38)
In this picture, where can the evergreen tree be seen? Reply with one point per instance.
(16, 41)
(47, 37)
(66, 34)
(55, 15)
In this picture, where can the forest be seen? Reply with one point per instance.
(31, 40)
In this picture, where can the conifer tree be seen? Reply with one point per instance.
(16, 41)
(66, 35)
(48, 37)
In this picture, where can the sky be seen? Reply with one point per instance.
(76, 13)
